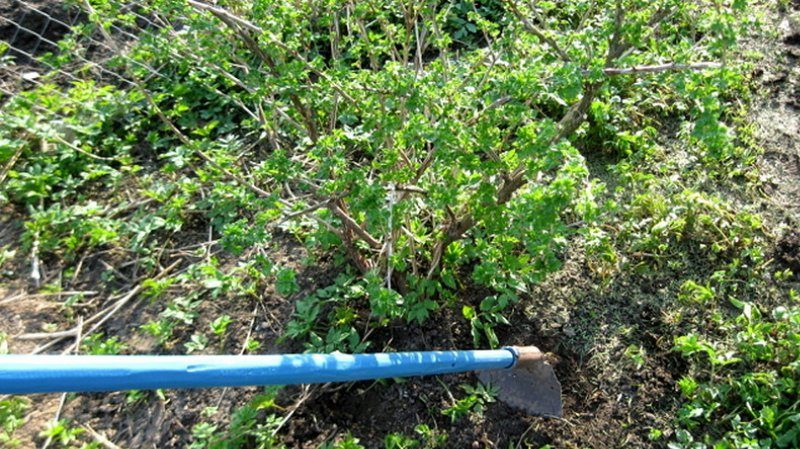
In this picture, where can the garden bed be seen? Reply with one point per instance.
(612, 315)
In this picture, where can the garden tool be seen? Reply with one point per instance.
(525, 380)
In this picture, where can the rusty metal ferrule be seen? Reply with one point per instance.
(525, 356)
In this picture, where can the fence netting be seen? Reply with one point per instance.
(57, 45)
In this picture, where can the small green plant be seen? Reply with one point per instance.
(62, 433)
(250, 426)
(160, 329)
(693, 292)
(483, 321)
(97, 344)
(746, 384)
(252, 345)
(346, 442)
(196, 343)
(12, 417)
(286, 282)
(428, 439)
(135, 396)
(3, 343)
(637, 356)
(220, 325)
(431, 438)
(155, 288)
(6, 255)
(399, 441)
(476, 400)
(325, 319)
(181, 311)
(202, 434)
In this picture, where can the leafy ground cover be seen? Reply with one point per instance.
(613, 181)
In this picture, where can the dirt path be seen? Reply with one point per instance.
(777, 117)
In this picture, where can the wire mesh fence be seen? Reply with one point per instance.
(56, 46)
(53, 43)
(43, 42)
(30, 30)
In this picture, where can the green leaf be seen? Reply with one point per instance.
(286, 282)
(468, 312)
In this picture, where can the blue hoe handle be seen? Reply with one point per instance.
(24, 374)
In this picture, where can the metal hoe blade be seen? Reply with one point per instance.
(531, 385)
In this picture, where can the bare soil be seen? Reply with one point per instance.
(777, 116)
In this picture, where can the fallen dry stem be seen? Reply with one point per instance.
(671, 66)
(25, 296)
(100, 438)
(101, 317)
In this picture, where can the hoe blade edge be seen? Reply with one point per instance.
(532, 388)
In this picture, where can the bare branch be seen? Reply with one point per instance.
(232, 21)
(533, 29)
(348, 221)
(307, 210)
(671, 66)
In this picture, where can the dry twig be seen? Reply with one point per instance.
(101, 317)
(100, 438)
(26, 296)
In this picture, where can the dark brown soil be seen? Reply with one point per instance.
(32, 28)
(788, 251)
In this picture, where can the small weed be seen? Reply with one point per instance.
(399, 441)
(161, 330)
(181, 311)
(249, 427)
(746, 384)
(197, 343)
(346, 442)
(62, 433)
(637, 356)
(12, 417)
(6, 255)
(431, 438)
(252, 345)
(96, 344)
(286, 282)
(476, 400)
(428, 439)
(220, 325)
(202, 434)
(482, 321)
(134, 396)
(337, 332)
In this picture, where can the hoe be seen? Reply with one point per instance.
(524, 378)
